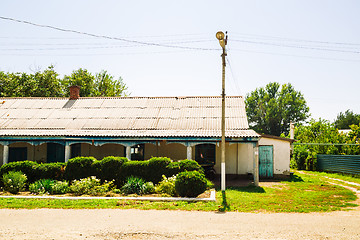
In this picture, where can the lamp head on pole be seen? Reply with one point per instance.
(222, 39)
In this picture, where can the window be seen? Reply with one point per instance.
(75, 150)
(55, 152)
(17, 154)
(137, 152)
(205, 154)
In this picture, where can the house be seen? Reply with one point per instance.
(57, 129)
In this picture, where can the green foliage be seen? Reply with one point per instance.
(110, 168)
(60, 187)
(49, 171)
(48, 84)
(270, 109)
(134, 185)
(166, 186)
(39, 84)
(150, 170)
(190, 184)
(14, 182)
(42, 186)
(106, 85)
(79, 167)
(90, 186)
(26, 167)
(149, 188)
(183, 165)
(346, 119)
(322, 135)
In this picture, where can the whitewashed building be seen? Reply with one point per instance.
(57, 129)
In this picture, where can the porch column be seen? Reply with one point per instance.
(256, 165)
(5, 154)
(67, 152)
(189, 152)
(128, 152)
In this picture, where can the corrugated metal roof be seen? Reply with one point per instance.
(123, 117)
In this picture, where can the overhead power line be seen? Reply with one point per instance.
(106, 37)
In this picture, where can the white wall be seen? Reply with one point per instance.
(281, 154)
(238, 158)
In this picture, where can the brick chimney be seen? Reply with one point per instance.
(74, 92)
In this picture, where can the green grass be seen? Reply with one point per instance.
(303, 193)
(342, 176)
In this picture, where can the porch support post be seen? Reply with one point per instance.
(67, 152)
(256, 164)
(128, 152)
(189, 152)
(5, 154)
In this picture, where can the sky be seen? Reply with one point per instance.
(169, 48)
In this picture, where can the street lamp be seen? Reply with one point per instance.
(223, 41)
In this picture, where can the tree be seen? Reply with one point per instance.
(82, 78)
(271, 109)
(346, 119)
(39, 84)
(106, 85)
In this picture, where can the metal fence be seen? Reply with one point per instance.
(339, 163)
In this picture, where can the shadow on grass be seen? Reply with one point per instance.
(248, 189)
(224, 205)
(294, 178)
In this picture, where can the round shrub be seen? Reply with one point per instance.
(190, 184)
(79, 167)
(190, 165)
(110, 168)
(14, 182)
(26, 167)
(49, 171)
(156, 168)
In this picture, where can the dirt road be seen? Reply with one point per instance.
(152, 224)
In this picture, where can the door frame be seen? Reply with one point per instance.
(273, 162)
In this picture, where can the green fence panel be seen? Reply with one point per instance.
(339, 163)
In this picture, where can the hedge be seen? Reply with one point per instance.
(80, 167)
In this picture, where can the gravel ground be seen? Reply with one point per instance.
(155, 224)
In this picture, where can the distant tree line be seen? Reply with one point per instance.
(47, 83)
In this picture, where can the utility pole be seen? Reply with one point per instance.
(223, 41)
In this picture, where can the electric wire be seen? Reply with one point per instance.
(105, 37)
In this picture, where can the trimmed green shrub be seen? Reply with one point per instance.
(133, 168)
(190, 184)
(14, 182)
(166, 186)
(79, 168)
(26, 167)
(134, 185)
(183, 165)
(156, 168)
(90, 186)
(150, 170)
(60, 187)
(110, 168)
(53, 171)
(41, 186)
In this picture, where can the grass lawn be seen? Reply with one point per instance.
(303, 193)
(342, 176)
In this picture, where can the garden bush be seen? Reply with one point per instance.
(79, 168)
(53, 171)
(26, 167)
(41, 186)
(190, 184)
(156, 167)
(60, 187)
(90, 186)
(134, 185)
(14, 182)
(166, 186)
(110, 168)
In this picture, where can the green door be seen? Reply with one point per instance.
(55, 152)
(266, 162)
